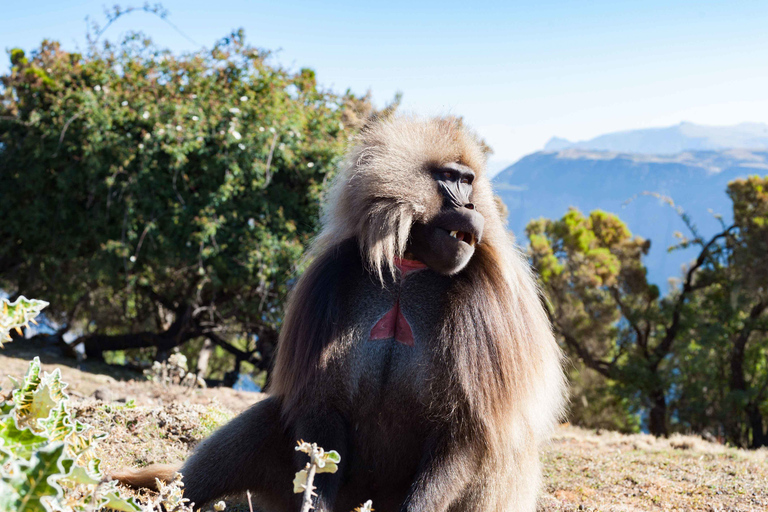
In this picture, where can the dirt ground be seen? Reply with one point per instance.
(583, 469)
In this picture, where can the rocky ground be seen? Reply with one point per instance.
(583, 469)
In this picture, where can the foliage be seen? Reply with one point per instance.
(157, 198)
(320, 461)
(47, 459)
(600, 403)
(600, 301)
(750, 245)
(696, 359)
(17, 314)
(722, 384)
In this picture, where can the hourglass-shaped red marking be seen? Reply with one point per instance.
(394, 324)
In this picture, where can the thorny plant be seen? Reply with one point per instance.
(320, 461)
(47, 457)
(17, 314)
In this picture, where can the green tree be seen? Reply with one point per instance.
(723, 384)
(604, 309)
(748, 279)
(154, 199)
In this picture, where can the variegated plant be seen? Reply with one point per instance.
(17, 314)
(47, 459)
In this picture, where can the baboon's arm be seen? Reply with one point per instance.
(444, 473)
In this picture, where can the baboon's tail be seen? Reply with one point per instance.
(145, 477)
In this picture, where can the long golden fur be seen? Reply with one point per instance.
(383, 188)
(493, 369)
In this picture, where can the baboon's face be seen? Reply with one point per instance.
(447, 241)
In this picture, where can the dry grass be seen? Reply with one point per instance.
(607, 471)
(584, 470)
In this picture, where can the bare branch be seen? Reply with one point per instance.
(64, 131)
(602, 367)
(269, 160)
(663, 348)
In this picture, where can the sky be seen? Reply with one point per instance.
(519, 72)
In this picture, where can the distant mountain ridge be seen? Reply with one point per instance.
(587, 176)
(673, 139)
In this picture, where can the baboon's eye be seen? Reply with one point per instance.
(466, 180)
(447, 175)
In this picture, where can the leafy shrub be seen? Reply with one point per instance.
(157, 199)
(47, 459)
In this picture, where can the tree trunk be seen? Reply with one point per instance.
(759, 434)
(180, 331)
(203, 358)
(657, 421)
(162, 354)
(230, 378)
(738, 382)
(97, 344)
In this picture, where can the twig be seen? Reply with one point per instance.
(64, 131)
(181, 199)
(250, 505)
(141, 239)
(269, 160)
(156, 10)
(309, 489)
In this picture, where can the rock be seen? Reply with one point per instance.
(103, 394)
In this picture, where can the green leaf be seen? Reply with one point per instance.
(113, 500)
(24, 396)
(39, 396)
(59, 424)
(9, 497)
(75, 474)
(17, 314)
(39, 479)
(20, 442)
(333, 456)
(328, 467)
(300, 481)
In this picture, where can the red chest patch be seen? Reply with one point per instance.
(394, 324)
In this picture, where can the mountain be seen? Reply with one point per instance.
(546, 183)
(673, 139)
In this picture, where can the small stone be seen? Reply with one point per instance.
(103, 394)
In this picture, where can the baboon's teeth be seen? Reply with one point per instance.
(454, 233)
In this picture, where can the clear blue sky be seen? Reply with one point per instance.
(520, 72)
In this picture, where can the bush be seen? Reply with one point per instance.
(156, 199)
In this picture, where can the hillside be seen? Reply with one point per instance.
(673, 139)
(546, 183)
(583, 470)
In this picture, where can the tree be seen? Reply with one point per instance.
(153, 199)
(604, 309)
(749, 364)
(724, 359)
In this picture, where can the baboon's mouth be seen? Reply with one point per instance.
(463, 236)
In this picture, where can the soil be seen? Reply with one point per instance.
(583, 469)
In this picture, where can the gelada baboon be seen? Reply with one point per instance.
(414, 344)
